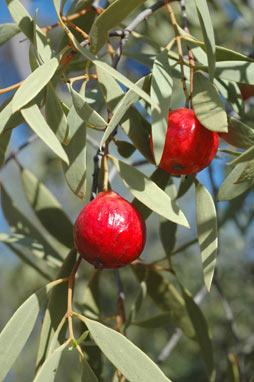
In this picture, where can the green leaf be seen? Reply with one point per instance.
(124, 104)
(19, 224)
(207, 232)
(37, 123)
(207, 104)
(47, 208)
(87, 374)
(232, 369)
(134, 309)
(185, 185)
(236, 71)
(167, 298)
(114, 14)
(123, 353)
(229, 188)
(231, 92)
(202, 333)
(248, 173)
(208, 34)
(48, 370)
(75, 172)
(114, 73)
(4, 141)
(239, 134)
(158, 321)
(161, 91)
(91, 298)
(86, 113)
(15, 334)
(8, 119)
(124, 148)
(146, 191)
(55, 116)
(245, 156)
(135, 126)
(25, 23)
(33, 84)
(7, 31)
(56, 309)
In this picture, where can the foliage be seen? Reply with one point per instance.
(129, 72)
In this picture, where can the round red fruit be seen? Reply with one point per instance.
(189, 146)
(109, 232)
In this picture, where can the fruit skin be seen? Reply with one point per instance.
(189, 146)
(109, 232)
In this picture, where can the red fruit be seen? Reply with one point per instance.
(189, 146)
(109, 232)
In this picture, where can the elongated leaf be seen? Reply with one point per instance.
(37, 123)
(34, 83)
(133, 123)
(47, 208)
(161, 91)
(231, 92)
(87, 374)
(56, 309)
(55, 116)
(236, 71)
(4, 141)
(202, 333)
(244, 157)
(115, 74)
(167, 298)
(48, 370)
(7, 31)
(160, 320)
(24, 21)
(8, 120)
(248, 173)
(208, 105)
(16, 332)
(232, 369)
(109, 19)
(185, 184)
(129, 99)
(91, 298)
(229, 188)
(146, 191)
(19, 224)
(239, 134)
(208, 34)
(75, 172)
(86, 113)
(136, 305)
(124, 148)
(114, 345)
(207, 232)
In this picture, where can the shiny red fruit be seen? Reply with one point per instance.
(189, 146)
(109, 232)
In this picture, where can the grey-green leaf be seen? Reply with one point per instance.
(229, 188)
(207, 232)
(8, 119)
(16, 332)
(4, 141)
(161, 91)
(208, 34)
(7, 31)
(87, 373)
(37, 123)
(123, 353)
(47, 208)
(48, 370)
(207, 104)
(247, 174)
(145, 190)
(134, 309)
(245, 156)
(237, 71)
(34, 83)
(239, 134)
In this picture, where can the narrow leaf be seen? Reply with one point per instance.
(245, 156)
(37, 123)
(236, 71)
(208, 34)
(87, 374)
(4, 141)
(16, 332)
(239, 134)
(158, 321)
(207, 104)
(48, 370)
(8, 119)
(134, 309)
(207, 232)
(231, 92)
(229, 188)
(33, 84)
(7, 31)
(247, 174)
(47, 208)
(123, 353)
(75, 172)
(161, 91)
(114, 14)
(145, 190)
